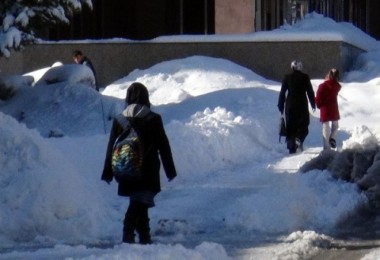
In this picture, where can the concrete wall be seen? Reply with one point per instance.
(113, 61)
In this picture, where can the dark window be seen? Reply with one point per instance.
(138, 19)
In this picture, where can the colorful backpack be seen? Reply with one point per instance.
(127, 153)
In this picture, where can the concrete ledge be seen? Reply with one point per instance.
(113, 61)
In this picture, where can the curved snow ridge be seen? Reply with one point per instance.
(192, 76)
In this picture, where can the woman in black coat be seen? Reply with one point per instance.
(150, 128)
(296, 89)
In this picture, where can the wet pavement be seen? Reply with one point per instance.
(355, 236)
(347, 250)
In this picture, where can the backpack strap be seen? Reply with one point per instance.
(123, 121)
(126, 124)
(148, 117)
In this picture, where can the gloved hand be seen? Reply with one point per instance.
(107, 179)
(281, 109)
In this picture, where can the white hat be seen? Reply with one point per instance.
(296, 65)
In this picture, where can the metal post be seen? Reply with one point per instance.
(206, 17)
(181, 16)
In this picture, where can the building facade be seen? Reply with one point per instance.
(139, 19)
(147, 19)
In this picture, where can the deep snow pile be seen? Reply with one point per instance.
(358, 162)
(223, 147)
(42, 193)
(45, 101)
(194, 76)
(236, 186)
(316, 26)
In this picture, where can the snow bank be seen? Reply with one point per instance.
(149, 252)
(193, 76)
(42, 194)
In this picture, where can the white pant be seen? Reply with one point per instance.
(329, 130)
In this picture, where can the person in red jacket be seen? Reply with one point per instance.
(327, 102)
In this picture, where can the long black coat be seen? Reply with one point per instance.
(86, 61)
(155, 143)
(295, 91)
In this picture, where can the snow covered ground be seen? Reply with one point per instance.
(238, 194)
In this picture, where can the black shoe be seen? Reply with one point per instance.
(128, 238)
(298, 142)
(332, 143)
(145, 241)
(299, 145)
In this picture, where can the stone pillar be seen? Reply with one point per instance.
(234, 16)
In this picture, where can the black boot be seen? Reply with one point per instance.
(128, 237)
(143, 228)
(144, 234)
(291, 145)
(130, 223)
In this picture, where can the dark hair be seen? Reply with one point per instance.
(137, 93)
(333, 74)
(77, 53)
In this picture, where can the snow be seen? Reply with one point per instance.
(315, 27)
(238, 194)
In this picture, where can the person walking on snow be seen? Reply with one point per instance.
(327, 102)
(141, 194)
(296, 89)
(80, 58)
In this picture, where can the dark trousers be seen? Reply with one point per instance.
(297, 127)
(300, 134)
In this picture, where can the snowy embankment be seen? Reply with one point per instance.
(238, 193)
(227, 155)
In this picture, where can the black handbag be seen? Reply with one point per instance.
(282, 128)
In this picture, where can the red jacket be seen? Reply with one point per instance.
(327, 100)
